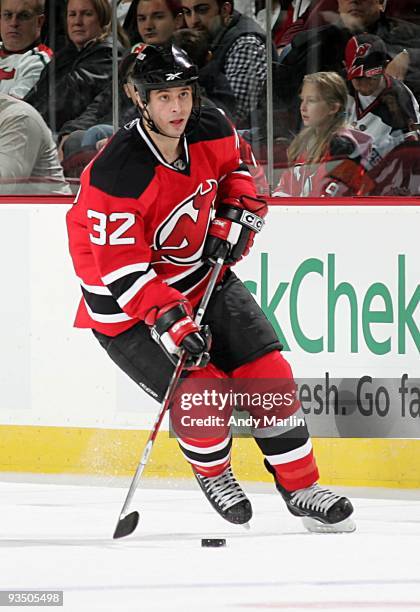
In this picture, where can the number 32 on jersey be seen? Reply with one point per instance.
(111, 229)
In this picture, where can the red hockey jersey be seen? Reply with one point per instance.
(138, 224)
(341, 173)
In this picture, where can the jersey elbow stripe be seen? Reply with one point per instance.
(189, 281)
(108, 279)
(135, 287)
(106, 301)
(101, 305)
(242, 170)
(98, 289)
(117, 317)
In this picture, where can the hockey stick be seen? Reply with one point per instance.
(128, 522)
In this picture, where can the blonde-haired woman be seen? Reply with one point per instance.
(326, 157)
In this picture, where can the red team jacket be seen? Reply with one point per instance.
(342, 171)
(138, 224)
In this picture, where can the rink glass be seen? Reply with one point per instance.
(268, 130)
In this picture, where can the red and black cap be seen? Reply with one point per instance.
(365, 56)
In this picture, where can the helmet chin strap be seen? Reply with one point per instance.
(145, 115)
(191, 123)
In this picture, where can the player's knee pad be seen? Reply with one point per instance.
(271, 365)
(197, 412)
(268, 384)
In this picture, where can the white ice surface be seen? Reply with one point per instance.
(60, 537)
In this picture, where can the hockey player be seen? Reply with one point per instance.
(379, 105)
(153, 210)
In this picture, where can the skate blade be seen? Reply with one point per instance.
(314, 526)
(246, 526)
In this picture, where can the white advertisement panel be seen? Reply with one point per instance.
(339, 284)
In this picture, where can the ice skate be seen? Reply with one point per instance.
(321, 510)
(226, 496)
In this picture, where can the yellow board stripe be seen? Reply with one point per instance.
(60, 450)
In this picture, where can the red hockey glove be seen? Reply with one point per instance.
(235, 225)
(174, 329)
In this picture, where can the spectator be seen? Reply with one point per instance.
(27, 150)
(322, 49)
(303, 15)
(379, 105)
(156, 22)
(214, 85)
(326, 156)
(238, 48)
(22, 56)
(215, 90)
(90, 128)
(292, 16)
(153, 21)
(81, 70)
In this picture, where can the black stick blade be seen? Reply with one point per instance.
(126, 525)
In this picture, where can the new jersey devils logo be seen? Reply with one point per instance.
(180, 237)
(355, 56)
(362, 50)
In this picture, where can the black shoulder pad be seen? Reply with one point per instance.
(125, 167)
(212, 125)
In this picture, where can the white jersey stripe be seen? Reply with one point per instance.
(124, 271)
(243, 172)
(111, 318)
(97, 289)
(207, 463)
(187, 291)
(204, 451)
(135, 287)
(173, 279)
(292, 455)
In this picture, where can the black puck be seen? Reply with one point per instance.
(213, 542)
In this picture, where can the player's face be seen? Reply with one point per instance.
(204, 16)
(315, 111)
(20, 25)
(82, 22)
(155, 22)
(170, 109)
(359, 13)
(367, 86)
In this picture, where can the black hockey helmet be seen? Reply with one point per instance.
(365, 56)
(162, 67)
